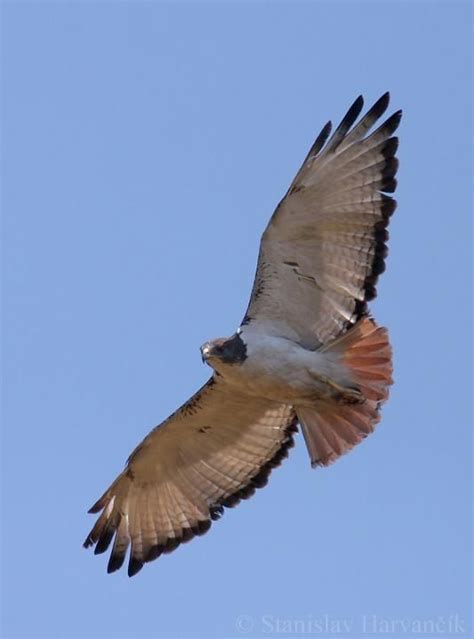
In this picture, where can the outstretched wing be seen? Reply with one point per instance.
(214, 451)
(324, 247)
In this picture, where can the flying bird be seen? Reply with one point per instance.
(307, 353)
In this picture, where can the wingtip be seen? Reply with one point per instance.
(134, 566)
(355, 109)
(327, 128)
(381, 104)
(391, 124)
(320, 141)
(115, 563)
(95, 508)
(346, 123)
(87, 542)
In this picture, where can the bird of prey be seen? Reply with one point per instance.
(307, 352)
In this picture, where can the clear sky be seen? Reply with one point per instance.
(145, 146)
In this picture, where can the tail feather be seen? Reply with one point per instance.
(366, 353)
(331, 428)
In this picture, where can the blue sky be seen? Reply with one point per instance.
(145, 146)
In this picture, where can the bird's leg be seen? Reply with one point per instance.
(342, 394)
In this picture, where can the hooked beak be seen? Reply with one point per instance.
(205, 351)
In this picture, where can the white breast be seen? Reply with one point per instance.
(275, 367)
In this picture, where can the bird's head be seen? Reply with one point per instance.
(224, 350)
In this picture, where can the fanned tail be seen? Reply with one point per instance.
(330, 428)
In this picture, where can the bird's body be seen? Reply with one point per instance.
(282, 370)
(307, 352)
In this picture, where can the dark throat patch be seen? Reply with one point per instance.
(233, 350)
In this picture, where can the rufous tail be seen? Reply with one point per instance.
(331, 428)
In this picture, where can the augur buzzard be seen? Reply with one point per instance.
(307, 352)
